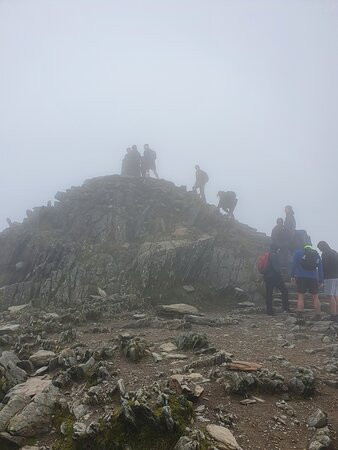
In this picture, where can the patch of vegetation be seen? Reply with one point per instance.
(64, 441)
(118, 434)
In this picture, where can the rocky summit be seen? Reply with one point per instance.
(124, 235)
(131, 318)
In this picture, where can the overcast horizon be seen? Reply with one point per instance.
(246, 89)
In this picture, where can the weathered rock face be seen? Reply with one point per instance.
(123, 235)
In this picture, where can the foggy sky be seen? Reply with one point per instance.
(248, 89)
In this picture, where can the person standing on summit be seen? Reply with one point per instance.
(201, 180)
(148, 162)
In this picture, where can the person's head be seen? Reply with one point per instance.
(280, 222)
(274, 248)
(128, 150)
(134, 147)
(288, 210)
(323, 246)
(197, 167)
(146, 146)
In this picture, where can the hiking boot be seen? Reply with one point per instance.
(270, 313)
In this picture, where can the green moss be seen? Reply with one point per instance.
(118, 435)
(64, 442)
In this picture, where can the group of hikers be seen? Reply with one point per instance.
(292, 257)
(136, 165)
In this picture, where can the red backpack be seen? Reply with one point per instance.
(263, 262)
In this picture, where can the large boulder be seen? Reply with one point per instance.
(35, 418)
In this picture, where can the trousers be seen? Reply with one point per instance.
(276, 283)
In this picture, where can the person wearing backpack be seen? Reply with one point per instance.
(307, 273)
(201, 180)
(148, 162)
(228, 202)
(269, 266)
(330, 271)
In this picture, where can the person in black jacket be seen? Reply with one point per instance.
(274, 280)
(330, 272)
(281, 238)
(201, 180)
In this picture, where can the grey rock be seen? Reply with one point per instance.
(168, 419)
(15, 404)
(9, 329)
(79, 430)
(35, 418)
(41, 358)
(185, 443)
(318, 419)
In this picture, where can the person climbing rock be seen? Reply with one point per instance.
(227, 202)
(201, 180)
(330, 273)
(273, 280)
(307, 273)
(148, 162)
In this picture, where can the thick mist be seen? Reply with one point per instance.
(247, 90)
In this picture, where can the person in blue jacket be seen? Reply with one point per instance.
(307, 273)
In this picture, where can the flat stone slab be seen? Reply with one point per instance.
(177, 356)
(9, 329)
(178, 309)
(17, 308)
(225, 439)
(168, 347)
(30, 388)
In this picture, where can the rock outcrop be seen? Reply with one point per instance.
(124, 235)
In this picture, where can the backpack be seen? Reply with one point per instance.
(310, 259)
(263, 263)
(204, 177)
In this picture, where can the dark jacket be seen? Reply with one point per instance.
(290, 222)
(280, 236)
(273, 270)
(201, 178)
(330, 264)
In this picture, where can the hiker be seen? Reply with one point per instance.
(135, 162)
(290, 221)
(307, 273)
(148, 162)
(201, 180)
(125, 169)
(280, 237)
(227, 201)
(269, 266)
(330, 272)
